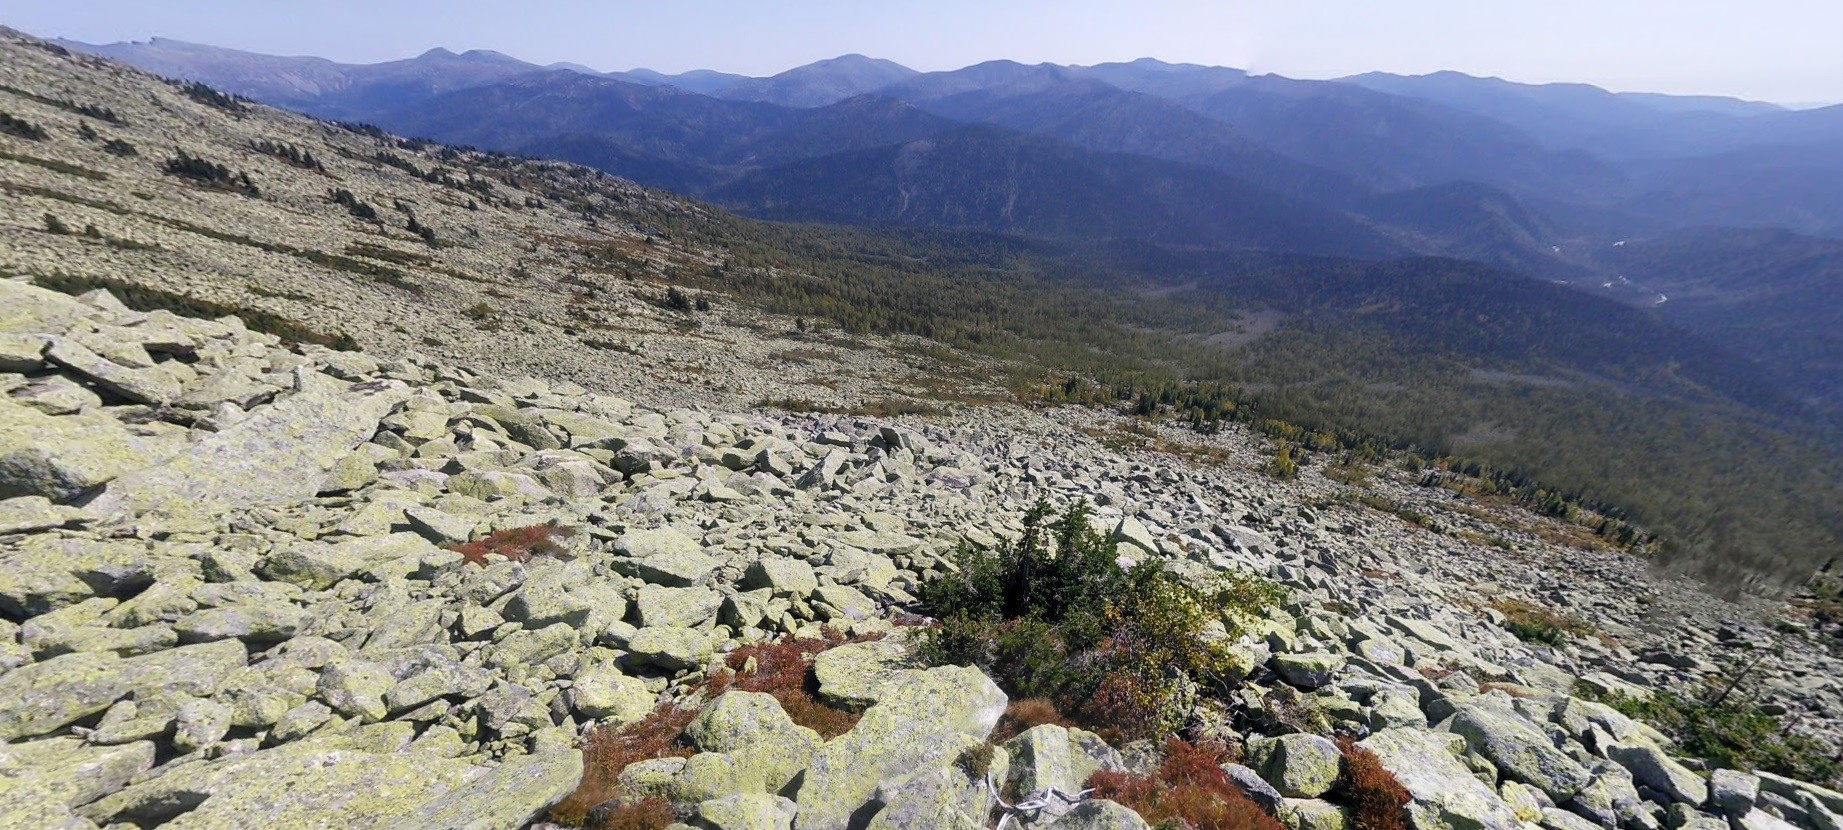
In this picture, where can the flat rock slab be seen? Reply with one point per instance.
(280, 454)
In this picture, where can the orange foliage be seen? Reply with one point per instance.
(607, 750)
(1375, 799)
(519, 544)
(1189, 790)
(784, 669)
(1024, 715)
(646, 814)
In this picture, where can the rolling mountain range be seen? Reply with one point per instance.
(1538, 179)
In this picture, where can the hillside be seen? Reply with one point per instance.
(349, 480)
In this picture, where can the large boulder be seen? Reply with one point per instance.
(1446, 795)
(747, 744)
(42, 698)
(1298, 765)
(513, 794)
(663, 557)
(852, 675)
(1518, 749)
(677, 607)
(63, 457)
(603, 693)
(1100, 814)
(301, 786)
(1652, 768)
(924, 718)
(280, 454)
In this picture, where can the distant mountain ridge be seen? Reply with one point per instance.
(1541, 179)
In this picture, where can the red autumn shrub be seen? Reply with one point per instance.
(783, 668)
(1188, 790)
(646, 814)
(519, 544)
(1376, 800)
(608, 750)
(1024, 715)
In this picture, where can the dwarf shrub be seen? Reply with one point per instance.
(519, 544)
(1053, 614)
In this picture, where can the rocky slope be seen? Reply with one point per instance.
(227, 596)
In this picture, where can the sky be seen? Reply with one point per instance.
(1788, 51)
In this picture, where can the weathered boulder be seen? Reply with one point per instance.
(748, 744)
(1446, 796)
(671, 648)
(1100, 814)
(45, 697)
(1298, 765)
(786, 577)
(1307, 671)
(299, 786)
(1652, 768)
(1050, 756)
(662, 557)
(677, 607)
(601, 692)
(1311, 814)
(1518, 749)
(63, 457)
(280, 454)
(513, 794)
(746, 811)
(925, 718)
(851, 675)
(1733, 792)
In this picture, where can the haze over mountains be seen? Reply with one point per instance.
(1543, 180)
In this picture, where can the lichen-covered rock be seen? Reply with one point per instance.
(1311, 814)
(357, 689)
(258, 625)
(42, 698)
(747, 811)
(671, 648)
(62, 457)
(1100, 814)
(663, 557)
(1733, 792)
(313, 567)
(1298, 765)
(513, 794)
(41, 780)
(1446, 796)
(298, 786)
(1049, 756)
(1652, 768)
(677, 607)
(1518, 748)
(925, 718)
(1307, 671)
(851, 675)
(948, 797)
(602, 693)
(281, 453)
(785, 577)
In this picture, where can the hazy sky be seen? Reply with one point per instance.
(1780, 50)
